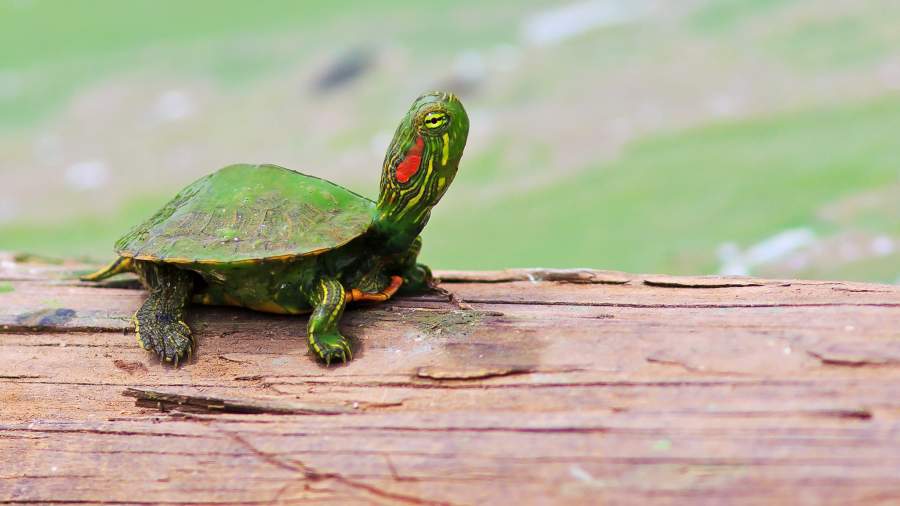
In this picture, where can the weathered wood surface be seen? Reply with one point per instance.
(583, 387)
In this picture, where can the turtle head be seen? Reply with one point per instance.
(422, 160)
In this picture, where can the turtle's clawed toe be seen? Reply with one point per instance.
(332, 348)
(170, 339)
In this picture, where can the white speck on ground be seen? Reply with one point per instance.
(87, 175)
(724, 105)
(883, 246)
(174, 105)
(580, 474)
(738, 263)
(553, 26)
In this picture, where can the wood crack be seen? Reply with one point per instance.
(16, 328)
(195, 403)
(308, 473)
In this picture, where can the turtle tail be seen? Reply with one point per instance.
(120, 265)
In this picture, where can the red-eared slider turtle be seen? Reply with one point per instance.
(274, 240)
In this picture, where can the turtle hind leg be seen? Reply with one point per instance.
(328, 300)
(159, 323)
(118, 266)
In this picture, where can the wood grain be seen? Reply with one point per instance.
(556, 387)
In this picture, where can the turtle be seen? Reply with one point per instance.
(271, 239)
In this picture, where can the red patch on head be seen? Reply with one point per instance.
(410, 165)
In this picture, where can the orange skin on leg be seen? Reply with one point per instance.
(358, 295)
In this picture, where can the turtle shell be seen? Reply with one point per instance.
(245, 213)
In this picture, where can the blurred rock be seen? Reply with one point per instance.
(345, 69)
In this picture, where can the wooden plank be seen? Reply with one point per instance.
(585, 387)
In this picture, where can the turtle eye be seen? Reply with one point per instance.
(435, 119)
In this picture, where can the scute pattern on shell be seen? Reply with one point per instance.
(250, 212)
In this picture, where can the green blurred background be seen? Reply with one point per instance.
(712, 136)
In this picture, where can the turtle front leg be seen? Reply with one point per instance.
(417, 277)
(159, 323)
(328, 300)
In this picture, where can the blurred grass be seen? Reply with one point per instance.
(728, 15)
(87, 237)
(667, 202)
(98, 29)
(835, 36)
(84, 41)
(664, 204)
(670, 200)
(834, 41)
(53, 48)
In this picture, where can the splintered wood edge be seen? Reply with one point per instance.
(605, 277)
(476, 373)
(593, 276)
(588, 276)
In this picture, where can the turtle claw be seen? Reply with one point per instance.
(332, 347)
(169, 339)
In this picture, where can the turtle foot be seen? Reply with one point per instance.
(418, 279)
(331, 348)
(169, 338)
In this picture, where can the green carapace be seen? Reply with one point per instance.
(271, 239)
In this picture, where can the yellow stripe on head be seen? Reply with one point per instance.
(446, 154)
